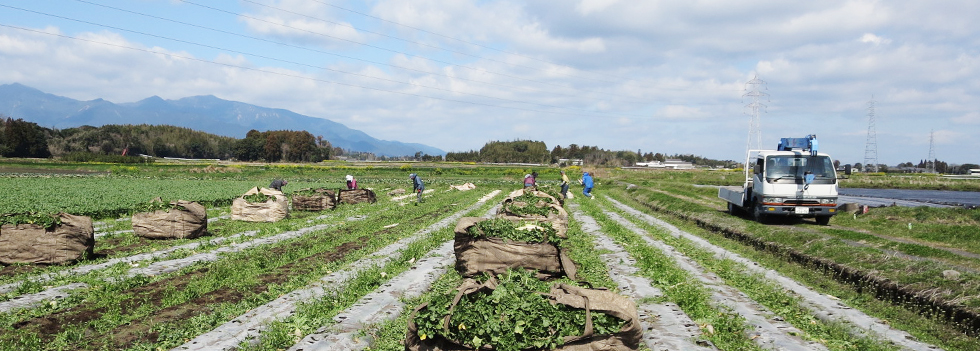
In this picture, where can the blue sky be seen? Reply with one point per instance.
(655, 76)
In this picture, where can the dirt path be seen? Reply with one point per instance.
(823, 306)
(770, 331)
(665, 325)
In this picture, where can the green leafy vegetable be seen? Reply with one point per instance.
(258, 198)
(530, 204)
(156, 205)
(45, 220)
(531, 232)
(515, 316)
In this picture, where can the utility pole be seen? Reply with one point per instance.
(871, 147)
(931, 163)
(755, 130)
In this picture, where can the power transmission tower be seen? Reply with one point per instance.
(931, 163)
(755, 129)
(871, 147)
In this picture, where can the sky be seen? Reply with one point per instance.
(674, 77)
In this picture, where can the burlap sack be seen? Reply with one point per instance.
(591, 300)
(397, 192)
(475, 256)
(356, 196)
(464, 187)
(324, 200)
(270, 211)
(63, 243)
(188, 220)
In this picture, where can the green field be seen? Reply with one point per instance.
(118, 311)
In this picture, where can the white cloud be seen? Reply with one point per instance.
(873, 39)
(967, 118)
(302, 21)
(586, 7)
(679, 112)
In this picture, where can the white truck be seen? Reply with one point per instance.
(793, 180)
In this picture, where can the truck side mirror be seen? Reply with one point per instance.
(847, 169)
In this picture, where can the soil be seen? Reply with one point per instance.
(47, 327)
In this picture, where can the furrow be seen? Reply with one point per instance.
(768, 331)
(665, 325)
(249, 326)
(822, 306)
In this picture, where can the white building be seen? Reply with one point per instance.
(668, 164)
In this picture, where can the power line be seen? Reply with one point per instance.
(397, 38)
(311, 66)
(291, 75)
(436, 34)
(526, 88)
(395, 51)
(457, 39)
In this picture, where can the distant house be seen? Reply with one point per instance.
(651, 164)
(975, 172)
(677, 164)
(667, 164)
(570, 161)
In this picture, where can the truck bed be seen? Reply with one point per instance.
(732, 194)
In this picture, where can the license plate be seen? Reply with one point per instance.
(802, 210)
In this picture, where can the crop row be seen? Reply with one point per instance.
(717, 324)
(920, 283)
(121, 311)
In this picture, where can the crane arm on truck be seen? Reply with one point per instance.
(809, 143)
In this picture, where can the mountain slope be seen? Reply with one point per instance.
(204, 113)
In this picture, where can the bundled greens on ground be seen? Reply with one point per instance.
(258, 198)
(530, 204)
(157, 205)
(531, 232)
(514, 316)
(45, 220)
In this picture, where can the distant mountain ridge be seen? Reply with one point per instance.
(203, 113)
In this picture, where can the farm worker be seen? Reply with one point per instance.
(587, 183)
(351, 182)
(564, 185)
(278, 184)
(417, 186)
(528, 181)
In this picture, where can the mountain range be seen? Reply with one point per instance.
(203, 113)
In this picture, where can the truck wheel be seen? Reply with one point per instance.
(823, 220)
(732, 210)
(760, 216)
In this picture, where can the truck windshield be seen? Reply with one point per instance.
(795, 166)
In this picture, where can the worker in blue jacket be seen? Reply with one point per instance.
(417, 186)
(587, 183)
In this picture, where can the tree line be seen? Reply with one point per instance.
(19, 138)
(923, 166)
(528, 151)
